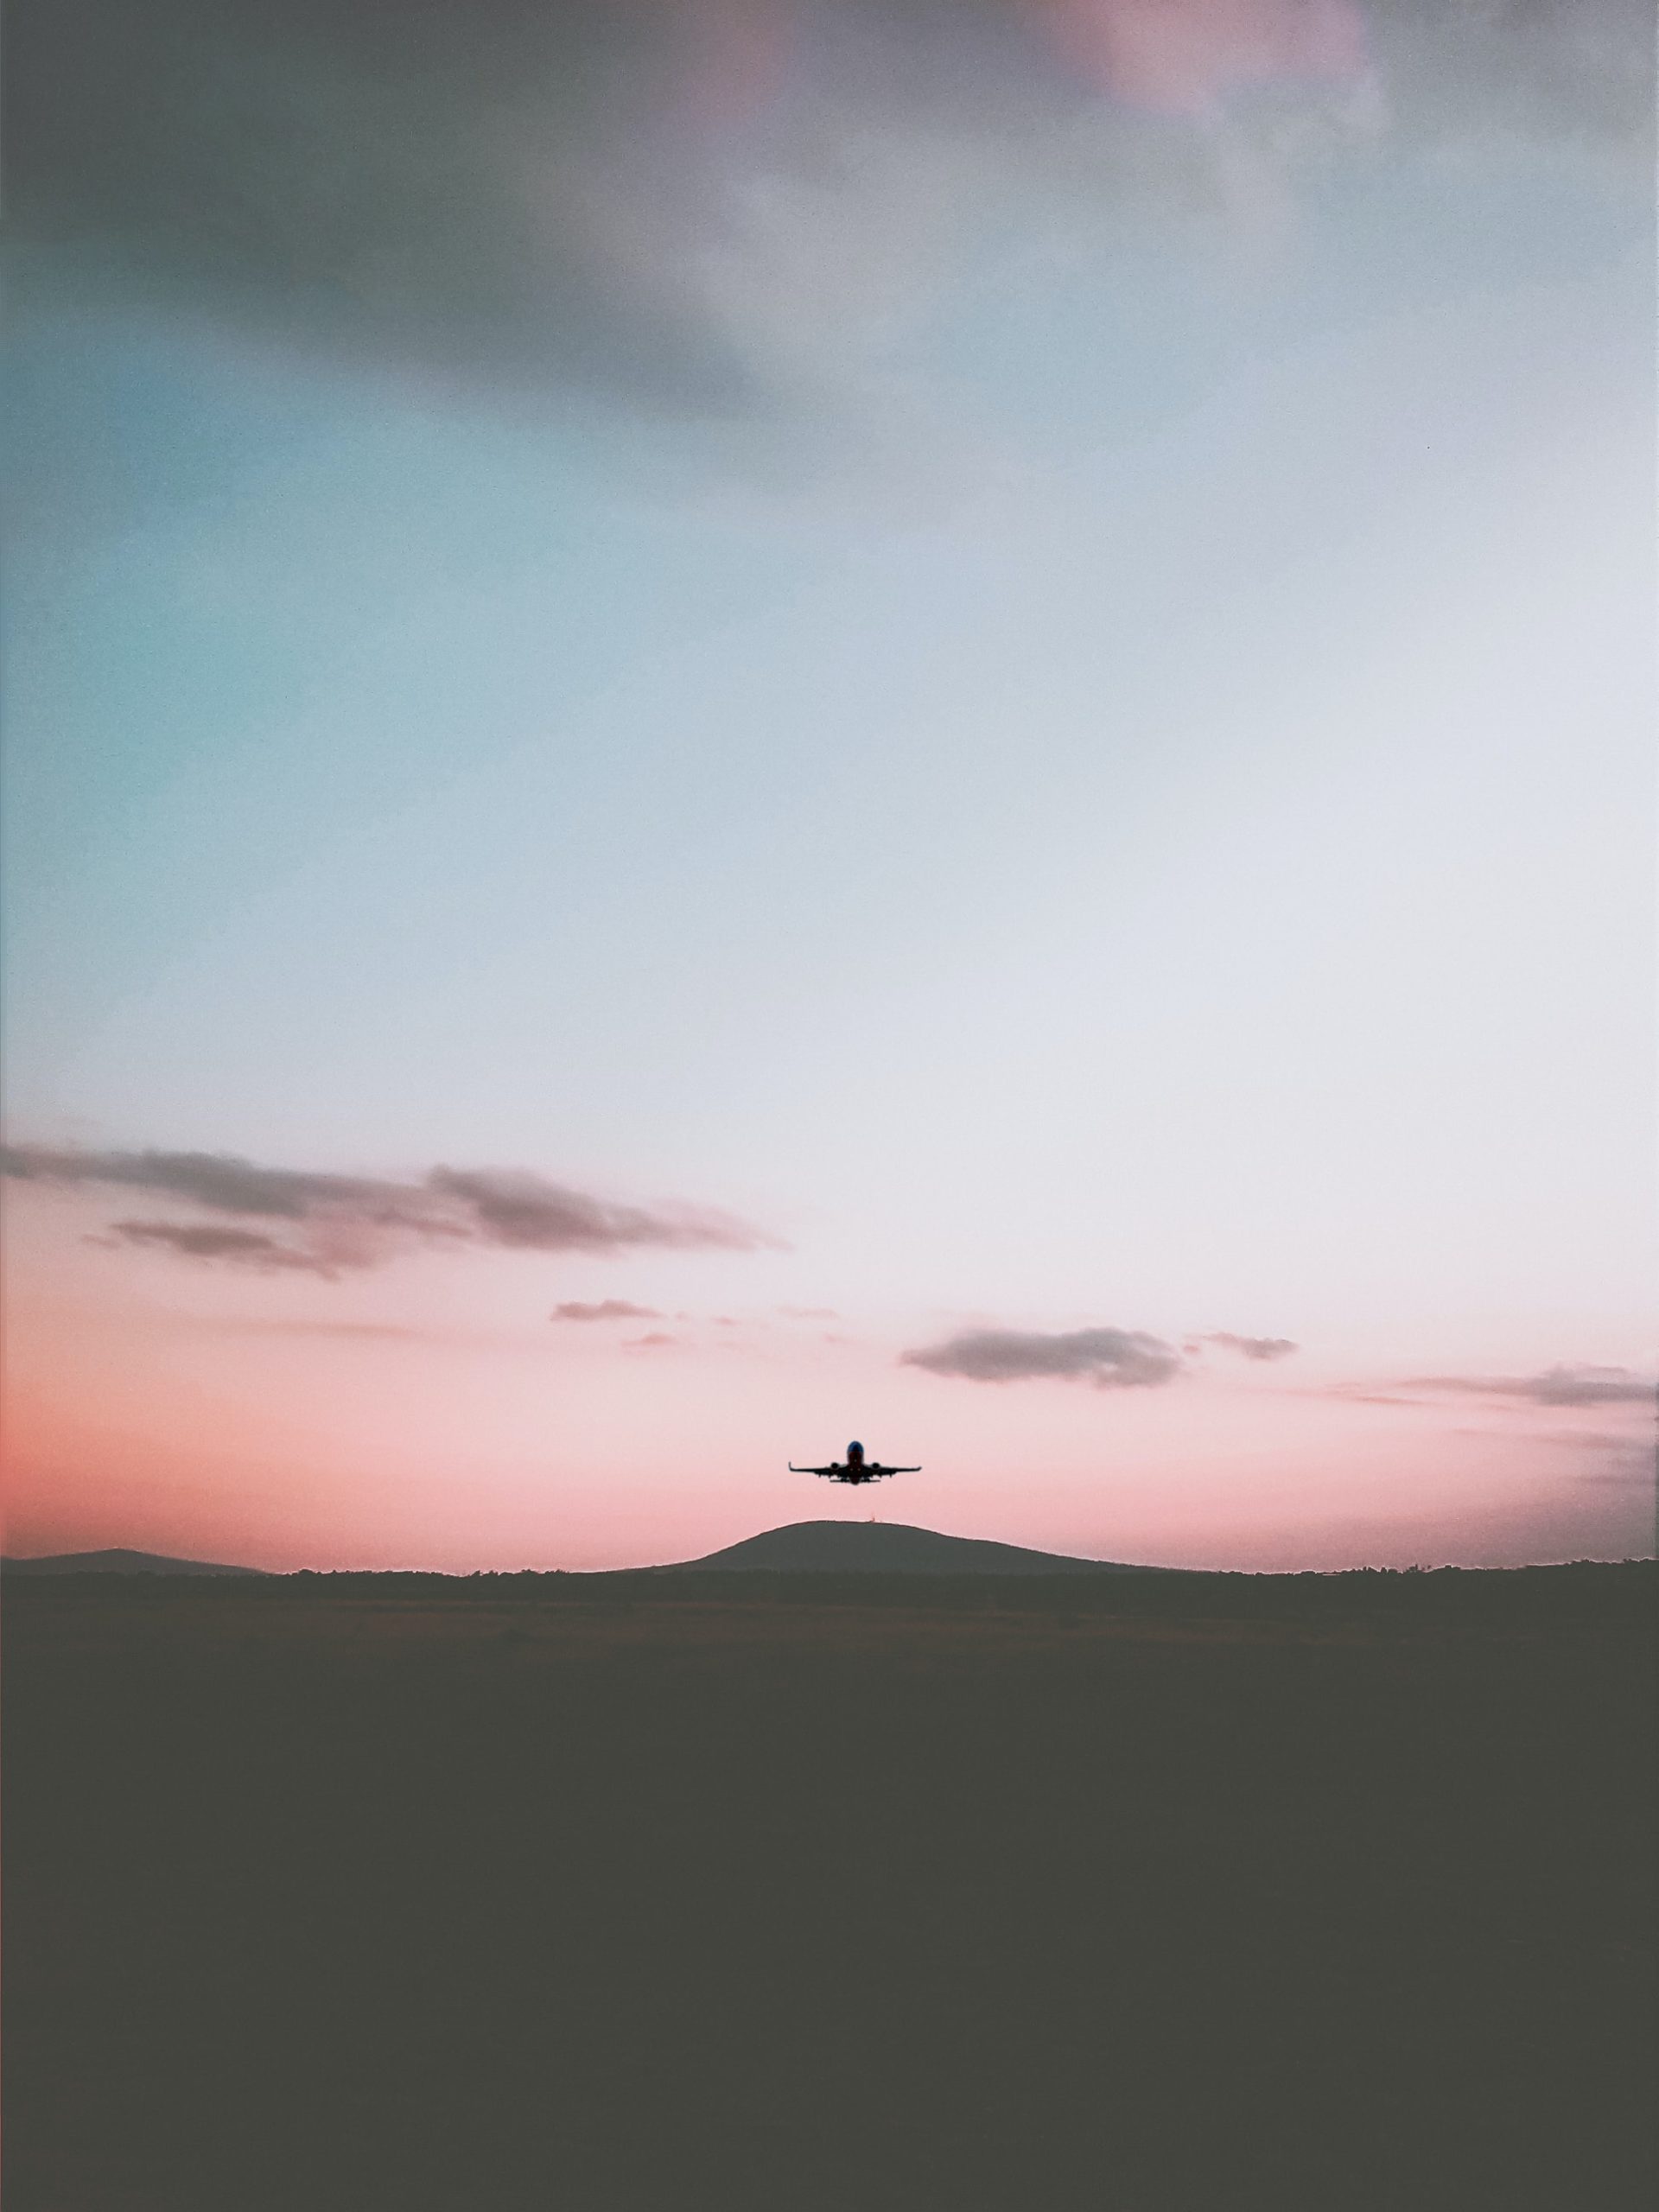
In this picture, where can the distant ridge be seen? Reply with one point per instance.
(888, 1547)
(118, 1562)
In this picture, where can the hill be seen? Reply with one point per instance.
(118, 1562)
(887, 1547)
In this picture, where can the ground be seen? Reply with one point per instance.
(615, 1892)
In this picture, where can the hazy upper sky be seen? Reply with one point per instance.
(731, 723)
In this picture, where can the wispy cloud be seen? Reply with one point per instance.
(513, 1207)
(1562, 1386)
(1626, 1462)
(361, 1332)
(326, 1224)
(1555, 1386)
(218, 1180)
(1635, 1471)
(1111, 1359)
(245, 1247)
(604, 1309)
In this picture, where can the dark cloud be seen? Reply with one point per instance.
(512, 1206)
(1110, 1358)
(1251, 1347)
(605, 1309)
(210, 1178)
(446, 185)
(657, 1340)
(339, 1222)
(689, 206)
(247, 1247)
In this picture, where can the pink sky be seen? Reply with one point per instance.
(1172, 57)
(430, 1415)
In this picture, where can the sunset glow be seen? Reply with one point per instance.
(945, 715)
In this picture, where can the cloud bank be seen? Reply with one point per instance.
(326, 1224)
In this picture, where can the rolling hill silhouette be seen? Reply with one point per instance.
(118, 1562)
(889, 1547)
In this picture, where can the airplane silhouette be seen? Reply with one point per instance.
(854, 1468)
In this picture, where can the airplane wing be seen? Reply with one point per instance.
(794, 1470)
(895, 1470)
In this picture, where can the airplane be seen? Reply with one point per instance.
(854, 1468)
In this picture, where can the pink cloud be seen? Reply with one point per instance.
(1187, 57)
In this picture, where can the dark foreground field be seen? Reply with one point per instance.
(1180, 1892)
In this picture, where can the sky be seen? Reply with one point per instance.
(736, 722)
